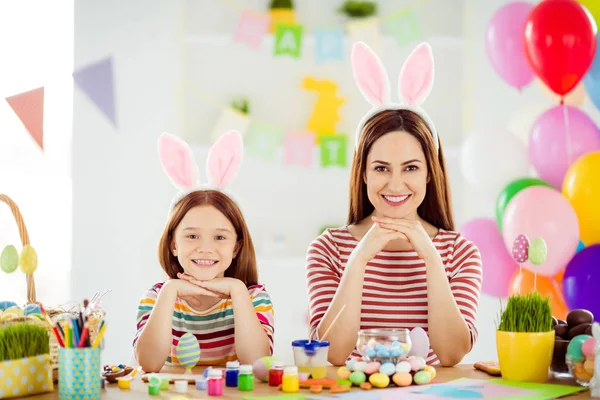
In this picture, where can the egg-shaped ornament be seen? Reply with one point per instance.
(9, 260)
(538, 251)
(420, 342)
(188, 352)
(520, 250)
(28, 259)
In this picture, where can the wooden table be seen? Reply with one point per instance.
(139, 389)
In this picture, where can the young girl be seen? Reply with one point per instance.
(208, 254)
(398, 263)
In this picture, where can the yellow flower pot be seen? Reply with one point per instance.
(525, 357)
(281, 16)
(26, 376)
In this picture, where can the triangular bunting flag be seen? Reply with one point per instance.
(29, 107)
(96, 81)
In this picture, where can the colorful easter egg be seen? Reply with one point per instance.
(9, 260)
(402, 379)
(388, 369)
(188, 350)
(419, 343)
(403, 366)
(574, 348)
(379, 380)
(32, 309)
(261, 368)
(16, 310)
(587, 348)
(28, 259)
(520, 250)
(343, 373)
(357, 377)
(422, 378)
(538, 251)
(430, 370)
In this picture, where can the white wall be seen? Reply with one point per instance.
(120, 194)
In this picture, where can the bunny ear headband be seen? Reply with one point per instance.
(223, 162)
(414, 84)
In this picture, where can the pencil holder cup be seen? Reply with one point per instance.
(79, 373)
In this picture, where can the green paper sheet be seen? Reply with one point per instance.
(545, 390)
(278, 397)
(334, 149)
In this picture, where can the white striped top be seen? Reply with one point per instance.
(395, 284)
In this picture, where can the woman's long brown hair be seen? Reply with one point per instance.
(243, 265)
(436, 206)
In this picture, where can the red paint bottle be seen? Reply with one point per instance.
(275, 373)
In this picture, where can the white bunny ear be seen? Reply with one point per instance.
(177, 159)
(224, 159)
(370, 75)
(416, 76)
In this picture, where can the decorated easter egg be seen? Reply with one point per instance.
(575, 346)
(28, 259)
(350, 364)
(379, 380)
(422, 378)
(537, 251)
(188, 350)
(6, 304)
(402, 379)
(261, 367)
(357, 377)
(32, 309)
(416, 363)
(343, 373)
(371, 368)
(9, 259)
(16, 310)
(388, 369)
(520, 249)
(587, 348)
(403, 366)
(430, 370)
(360, 366)
(420, 343)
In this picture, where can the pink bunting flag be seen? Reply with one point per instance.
(251, 28)
(29, 107)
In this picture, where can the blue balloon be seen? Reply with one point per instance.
(580, 247)
(580, 283)
(591, 80)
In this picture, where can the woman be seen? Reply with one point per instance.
(398, 263)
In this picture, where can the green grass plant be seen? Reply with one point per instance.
(22, 340)
(526, 313)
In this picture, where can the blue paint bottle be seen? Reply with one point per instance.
(231, 373)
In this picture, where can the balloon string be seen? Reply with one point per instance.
(521, 276)
(567, 134)
(535, 282)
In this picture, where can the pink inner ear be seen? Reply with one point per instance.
(177, 160)
(369, 74)
(224, 159)
(416, 76)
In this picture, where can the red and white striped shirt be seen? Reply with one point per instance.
(395, 284)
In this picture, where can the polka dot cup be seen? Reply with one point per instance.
(26, 376)
(79, 373)
(384, 345)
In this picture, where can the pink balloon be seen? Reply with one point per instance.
(504, 44)
(541, 211)
(498, 265)
(556, 142)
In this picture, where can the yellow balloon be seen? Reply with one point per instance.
(575, 97)
(582, 188)
(593, 7)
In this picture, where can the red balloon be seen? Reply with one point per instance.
(560, 43)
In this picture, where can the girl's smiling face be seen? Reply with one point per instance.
(205, 243)
(396, 175)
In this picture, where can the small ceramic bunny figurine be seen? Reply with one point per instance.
(595, 382)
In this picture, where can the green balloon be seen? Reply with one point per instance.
(509, 192)
(9, 260)
(537, 251)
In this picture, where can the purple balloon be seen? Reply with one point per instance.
(558, 138)
(497, 264)
(582, 280)
(504, 44)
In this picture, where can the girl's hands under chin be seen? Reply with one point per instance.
(218, 287)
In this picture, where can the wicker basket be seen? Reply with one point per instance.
(31, 299)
